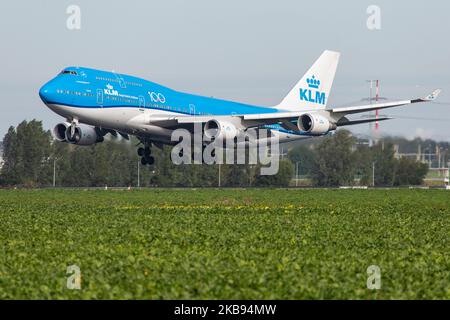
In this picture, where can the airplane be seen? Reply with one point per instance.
(95, 103)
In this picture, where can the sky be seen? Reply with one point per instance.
(249, 51)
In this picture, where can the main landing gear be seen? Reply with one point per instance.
(146, 155)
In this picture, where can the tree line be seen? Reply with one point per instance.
(339, 160)
(32, 158)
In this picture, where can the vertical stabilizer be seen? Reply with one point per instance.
(312, 91)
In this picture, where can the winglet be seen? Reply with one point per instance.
(432, 96)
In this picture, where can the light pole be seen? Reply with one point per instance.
(219, 175)
(373, 174)
(439, 158)
(54, 172)
(296, 174)
(139, 174)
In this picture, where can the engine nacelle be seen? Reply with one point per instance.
(83, 135)
(216, 129)
(59, 131)
(314, 123)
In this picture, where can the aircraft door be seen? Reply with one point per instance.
(100, 97)
(192, 109)
(141, 103)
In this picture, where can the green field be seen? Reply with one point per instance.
(227, 244)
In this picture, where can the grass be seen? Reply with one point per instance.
(225, 244)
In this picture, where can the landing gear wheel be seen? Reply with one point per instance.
(145, 154)
(150, 160)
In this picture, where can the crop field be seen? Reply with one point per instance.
(224, 244)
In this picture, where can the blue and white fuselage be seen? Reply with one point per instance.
(128, 104)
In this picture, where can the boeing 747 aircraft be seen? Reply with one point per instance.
(95, 103)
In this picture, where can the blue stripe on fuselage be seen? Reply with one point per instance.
(90, 88)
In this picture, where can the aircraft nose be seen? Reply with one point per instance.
(46, 92)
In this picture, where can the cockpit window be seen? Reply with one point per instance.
(69, 72)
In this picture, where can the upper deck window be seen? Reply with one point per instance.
(69, 72)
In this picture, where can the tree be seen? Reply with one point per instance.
(237, 175)
(112, 163)
(27, 152)
(363, 164)
(10, 169)
(410, 172)
(281, 179)
(335, 163)
(305, 157)
(385, 164)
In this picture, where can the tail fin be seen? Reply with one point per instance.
(312, 91)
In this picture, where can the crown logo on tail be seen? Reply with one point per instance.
(313, 82)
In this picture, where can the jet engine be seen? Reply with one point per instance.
(314, 124)
(59, 131)
(218, 129)
(82, 135)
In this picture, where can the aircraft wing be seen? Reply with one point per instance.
(370, 107)
(249, 120)
(286, 118)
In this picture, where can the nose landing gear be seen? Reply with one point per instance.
(146, 155)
